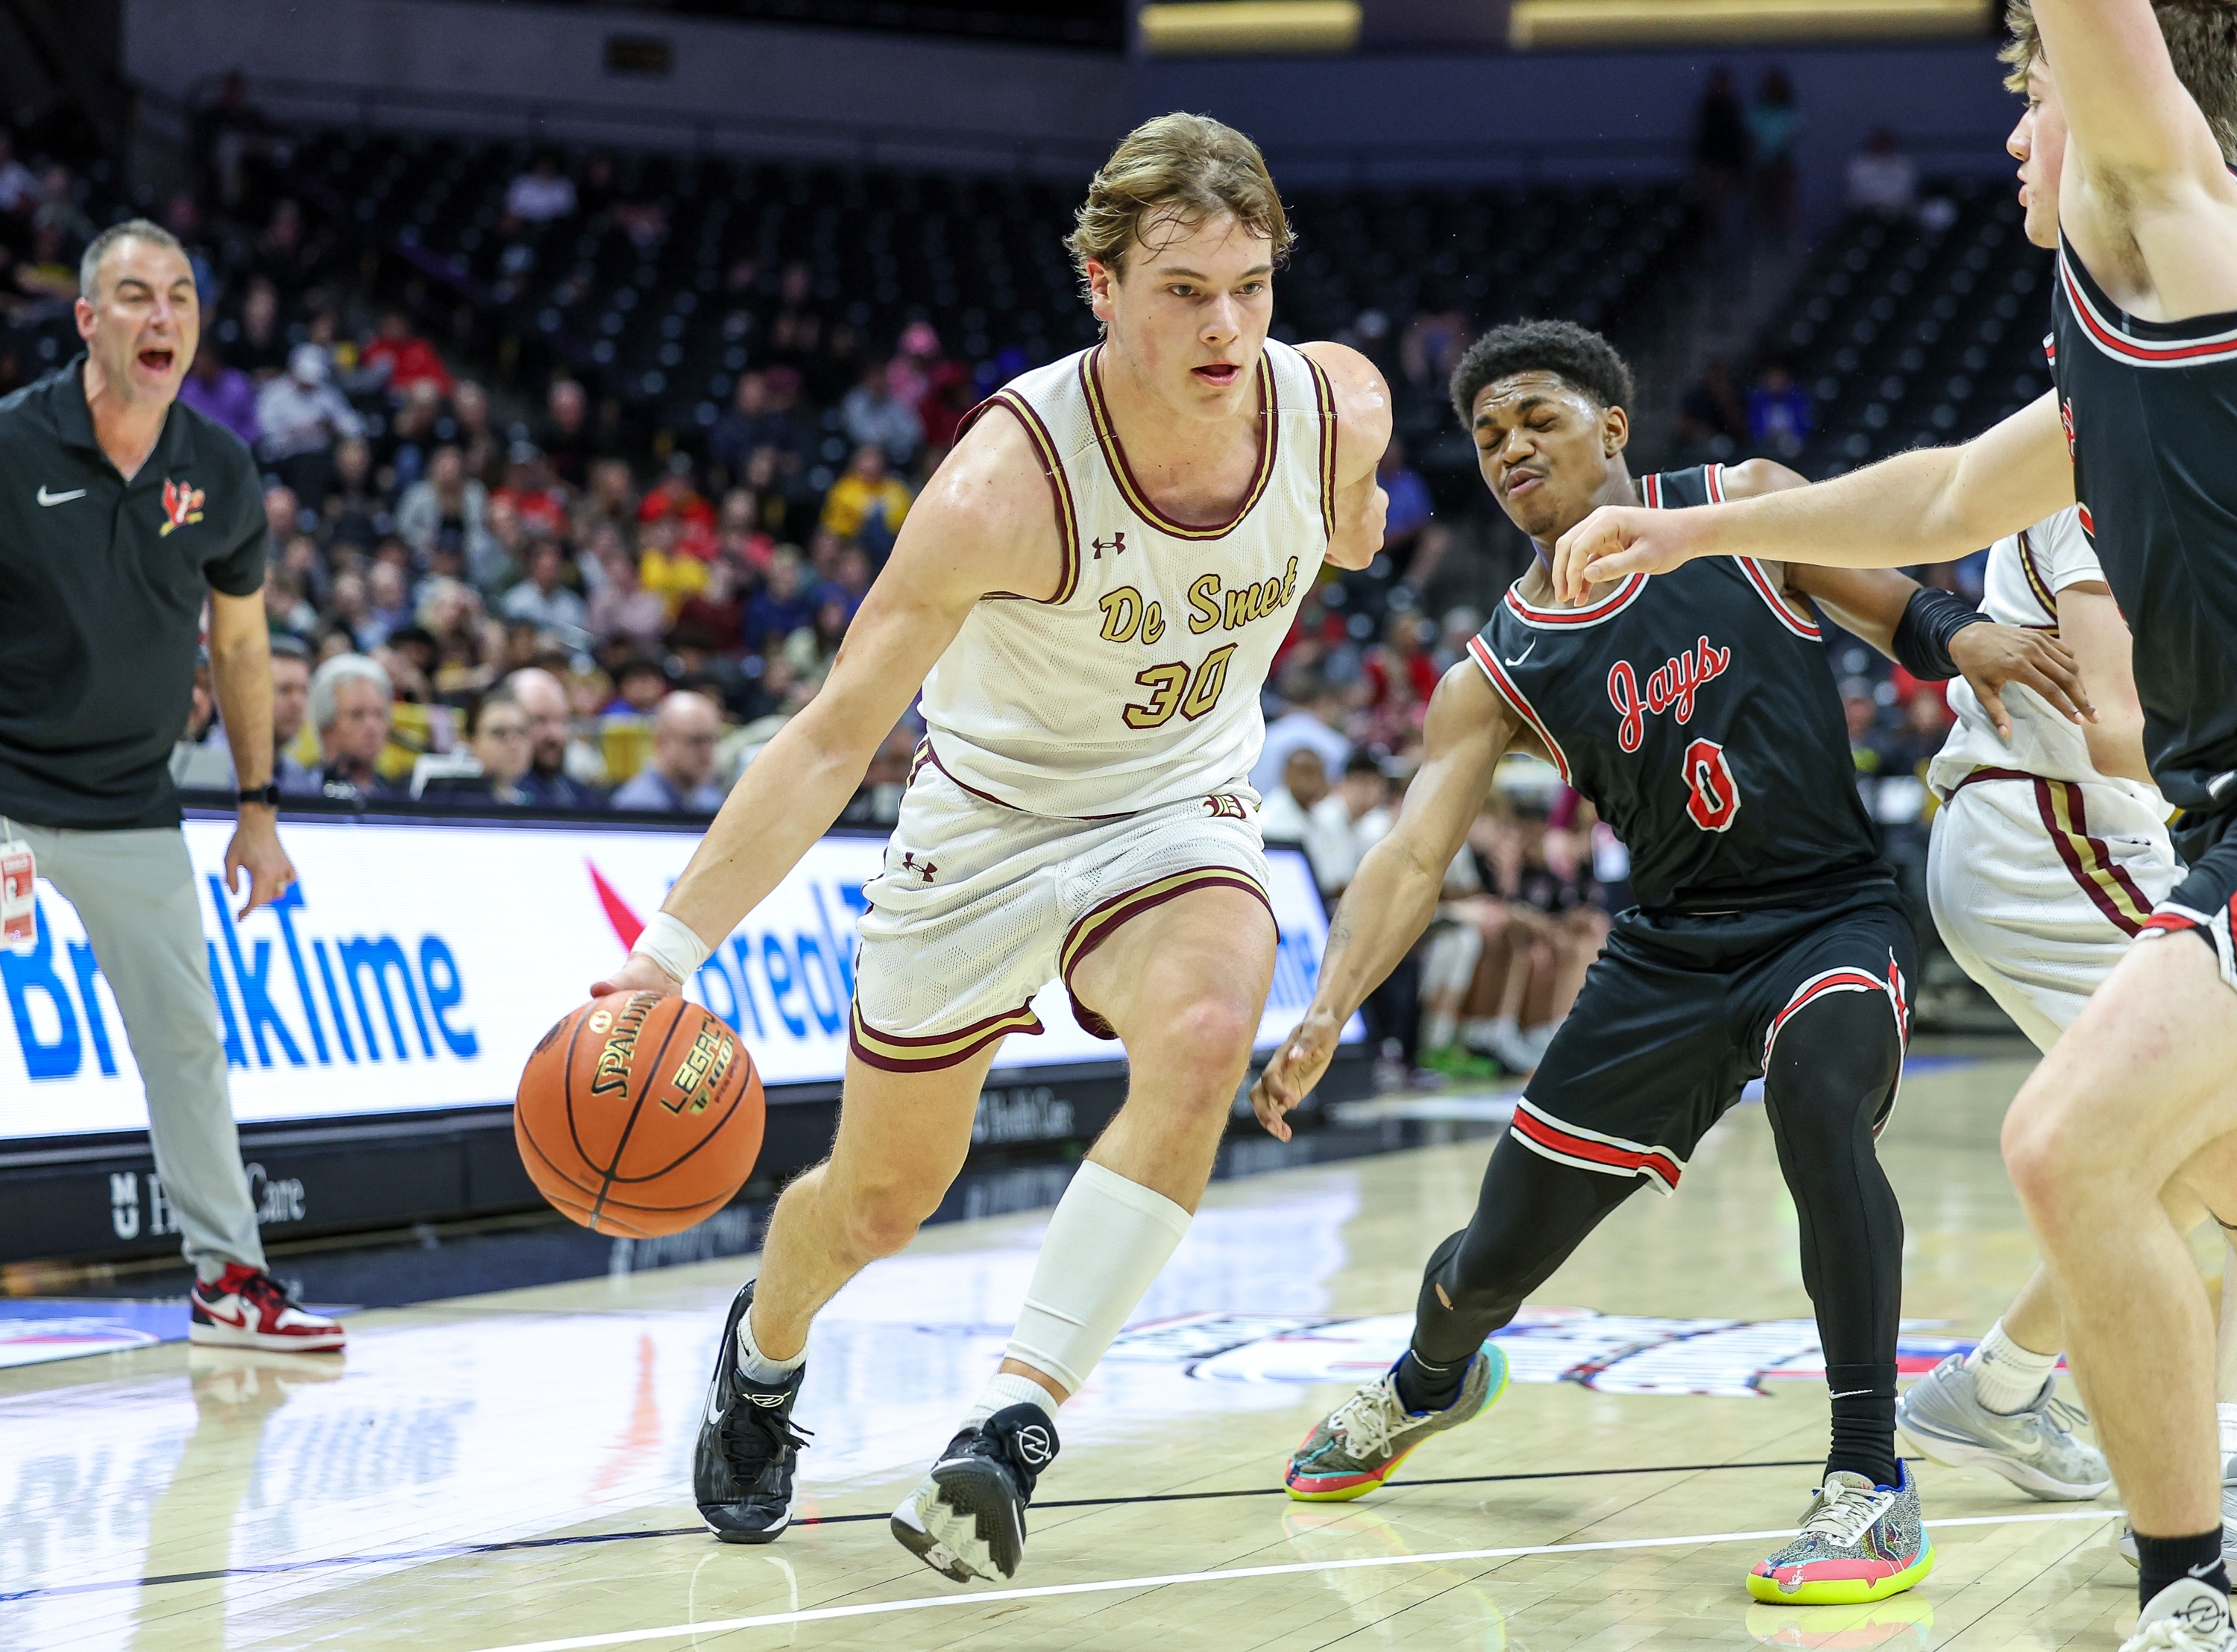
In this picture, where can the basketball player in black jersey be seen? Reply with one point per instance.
(1699, 715)
(2136, 101)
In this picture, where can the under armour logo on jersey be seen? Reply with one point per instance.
(1117, 546)
(1670, 687)
(925, 871)
(1035, 1449)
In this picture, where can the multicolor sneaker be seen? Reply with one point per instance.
(1859, 1542)
(2126, 1545)
(2185, 1616)
(246, 1307)
(1357, 1446)
(2034, 1447)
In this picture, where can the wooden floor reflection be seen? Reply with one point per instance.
(512, 1470)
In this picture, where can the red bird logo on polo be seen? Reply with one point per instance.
(183, 503)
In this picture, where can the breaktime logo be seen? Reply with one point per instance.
(317, 998)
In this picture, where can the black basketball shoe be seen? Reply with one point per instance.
(967, 1520)
(749, 1445)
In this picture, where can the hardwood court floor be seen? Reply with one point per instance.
(512, 1470)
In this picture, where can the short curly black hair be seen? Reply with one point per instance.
(1577, 354)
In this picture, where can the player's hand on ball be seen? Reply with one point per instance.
(637, 974)
(1297, 1067)
(1616, 541)
(1993, 656)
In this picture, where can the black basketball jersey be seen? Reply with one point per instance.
(1698, 714)
(2151, 422)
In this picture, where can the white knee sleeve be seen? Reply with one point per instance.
(1106, 1243)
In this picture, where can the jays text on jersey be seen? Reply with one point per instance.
(1697, 711)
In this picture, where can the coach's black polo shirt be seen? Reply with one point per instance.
(102, 583)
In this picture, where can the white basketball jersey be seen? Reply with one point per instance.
(2026, 572)
(1137, 684)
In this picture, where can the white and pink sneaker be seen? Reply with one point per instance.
(246, 1307)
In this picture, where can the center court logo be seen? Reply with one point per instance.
(1609, 1353)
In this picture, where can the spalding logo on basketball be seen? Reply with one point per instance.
(639, 1115)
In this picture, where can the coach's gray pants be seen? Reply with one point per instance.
(134, 893)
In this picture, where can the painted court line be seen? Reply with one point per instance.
(823, 1614)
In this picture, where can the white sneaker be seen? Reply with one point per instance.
(2185, 1616)
(2126, 1545)
(2034, 1448)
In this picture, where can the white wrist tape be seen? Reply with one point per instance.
(673, 944)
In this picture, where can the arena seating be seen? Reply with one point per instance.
(1907, 334)
(662, 318)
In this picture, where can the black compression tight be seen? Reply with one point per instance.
(1831, 1074)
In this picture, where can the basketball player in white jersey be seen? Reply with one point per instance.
(1090, 590)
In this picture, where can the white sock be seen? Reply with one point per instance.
(2226, 1415)
(2006, 1376)
(1004, 1390)
(1106, 1243)
(757, 1366)
(1437, 1030)
(1476, 1028)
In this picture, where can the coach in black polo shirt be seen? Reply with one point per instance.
(121, 510)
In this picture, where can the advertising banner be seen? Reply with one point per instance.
(413, 966)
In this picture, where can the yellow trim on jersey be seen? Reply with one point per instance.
(2085, 856)
(2038, 586)
(1114, 456)
(940, 1050)
(1068, 517)
(1324, 395)
(1094, 929)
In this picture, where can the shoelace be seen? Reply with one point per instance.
(1366, 1422)
(776, 1434)
(2173, 1635)
(2064, 1414)
(1842, 1517)
(266, 1292)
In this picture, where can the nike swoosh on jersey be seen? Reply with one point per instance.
(59, 498)
(1525, 654)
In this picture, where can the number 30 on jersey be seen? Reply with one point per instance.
(1175, 687)
(1714, 794)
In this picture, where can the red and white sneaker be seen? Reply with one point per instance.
(247, 1308)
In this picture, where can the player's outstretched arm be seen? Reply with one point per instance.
(985, 523)
(2129, 120)
(1930, 505)
(1363, 430)
(1393, 894)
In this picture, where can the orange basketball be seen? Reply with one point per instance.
(639, 1115)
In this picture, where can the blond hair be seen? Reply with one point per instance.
(1181, 169)
(2202, 43)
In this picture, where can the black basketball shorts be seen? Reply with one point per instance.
(1680, 1012)
(2204, 901)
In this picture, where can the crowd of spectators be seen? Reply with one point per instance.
(477, 597)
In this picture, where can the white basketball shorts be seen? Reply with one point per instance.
(981, 905)
(2039, 886)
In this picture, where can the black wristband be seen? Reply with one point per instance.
(1922, 636)
(267, 795)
